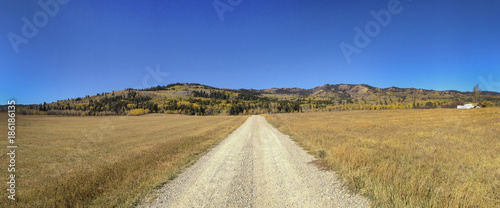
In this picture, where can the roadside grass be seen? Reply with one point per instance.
(407, 158)
(110, 161)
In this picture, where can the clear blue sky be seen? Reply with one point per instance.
(88, 47)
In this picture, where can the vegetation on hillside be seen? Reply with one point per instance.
(196, 99)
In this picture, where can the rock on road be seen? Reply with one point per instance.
(256, 166)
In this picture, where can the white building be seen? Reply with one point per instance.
(466, 106)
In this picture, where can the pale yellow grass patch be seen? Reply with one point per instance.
(104, 161)
(408, 158)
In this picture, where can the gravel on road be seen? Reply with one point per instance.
(256, 166)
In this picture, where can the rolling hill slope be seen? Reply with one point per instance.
(197, 99)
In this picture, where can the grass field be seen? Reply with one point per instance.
(407, 158)
(104, 161)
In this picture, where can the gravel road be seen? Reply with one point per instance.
(256, 166)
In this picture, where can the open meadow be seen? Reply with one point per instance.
(105, 161)
(407, 158)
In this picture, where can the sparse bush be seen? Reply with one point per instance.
(25, 111)
(321, 154)
(488, 104)
(452, 104)
(64, 112)
(138, 112)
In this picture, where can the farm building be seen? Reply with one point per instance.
(467, 106)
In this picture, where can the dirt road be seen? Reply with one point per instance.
(256, 166)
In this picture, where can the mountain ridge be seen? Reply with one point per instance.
(198, 99)
(359, 88)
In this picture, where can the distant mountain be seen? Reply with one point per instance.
(363, 90)
(337, 91)
(198, 99)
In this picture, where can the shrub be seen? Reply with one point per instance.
(488, 104)
(452, 104)
(137, 112)
(321, 154)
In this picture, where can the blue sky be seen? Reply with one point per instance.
(89, 47)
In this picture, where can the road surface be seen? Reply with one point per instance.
(256, 166)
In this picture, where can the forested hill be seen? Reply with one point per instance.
(197, 99)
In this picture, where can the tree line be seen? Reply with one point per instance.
(211, 101)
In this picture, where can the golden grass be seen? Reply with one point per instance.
(408, 158)
(104, 161)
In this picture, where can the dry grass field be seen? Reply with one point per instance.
(407, 158)
(104, 161)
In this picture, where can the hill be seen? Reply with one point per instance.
(198, 99)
